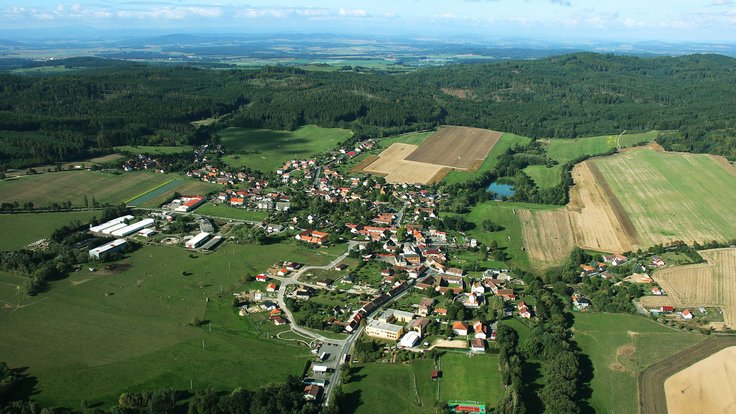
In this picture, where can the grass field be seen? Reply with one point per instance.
(44, 189)
(267, 150)
(21, 229)
(380, 388)
(507, 141)
(673, 196)
(107, 333)
(564, 150)
(619, 347)
(506, 215)
(460, 379)
(544, 177)
(219, 210)
(154, 150)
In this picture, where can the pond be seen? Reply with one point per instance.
(501, 190)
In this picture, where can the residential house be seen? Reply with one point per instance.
(272, 287)
(425, 306)
(686, 314)
(419, 325)
(524, 310)
(312, 392)
(262, 277)
(506, 294)
(481, 330)
(579, 302)
(460, 328)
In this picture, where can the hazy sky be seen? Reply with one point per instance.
(578, 20)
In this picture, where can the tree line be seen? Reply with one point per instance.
(69, 116)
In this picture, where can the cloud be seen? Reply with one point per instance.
(353, 12)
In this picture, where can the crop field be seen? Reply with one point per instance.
(705, 284)
(547, 234)
(267, 150)
(21, 229)
(392, 164)
(154, 193)
(673, 196)
(706, 386)
(598, 220)
(188, 187)
(108, 332)
(44, 189)
(618, 348)
(457, 147)
(450, 148)
(697, 379)
(506, 141)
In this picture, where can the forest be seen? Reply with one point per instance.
(74, 114)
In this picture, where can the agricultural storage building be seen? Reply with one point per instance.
(107, 224)
(197, 240)
(130, 229)
(108, 248)
(114, 227)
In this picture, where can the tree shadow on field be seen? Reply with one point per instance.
(25, 387)
(531, 371)
(349, 402)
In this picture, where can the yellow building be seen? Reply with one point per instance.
(383, 330)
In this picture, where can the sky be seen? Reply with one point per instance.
(710, 21)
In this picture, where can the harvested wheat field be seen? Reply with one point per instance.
(457, 147)
(547, 234)
(391, 164)
(673, 196)
(706, 284)
(708, 386)
(597, 217)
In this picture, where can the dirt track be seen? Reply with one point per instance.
(652, 396)
(456, 147)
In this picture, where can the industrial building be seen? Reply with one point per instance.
(187, 204)
(197, 240)
(108, 249)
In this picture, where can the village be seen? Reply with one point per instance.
(398, 282)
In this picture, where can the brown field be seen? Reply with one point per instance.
(598, 220)
(548, 236)
(456, 147)
(392, 164)
(657, 301)
(708, 388)
(705, 284)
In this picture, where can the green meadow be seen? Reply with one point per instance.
(107, 332)
(154, 150)
(21, 229)
(267, 150)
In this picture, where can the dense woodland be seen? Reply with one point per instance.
(65, 116)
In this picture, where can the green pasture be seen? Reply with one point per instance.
(154, 150)
(507, 141)
(544, 177)
(504, 214)
(44, 189)
(267, 150)
(21, 229)
(564, 150)
(382, 388)
(221, 210)
(618, 347)
(106, 333)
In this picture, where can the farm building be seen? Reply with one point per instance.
(108, 248)
(105, 225)
(114, 227)
(132, 228)
(197, 240)
(384, 330)
(187, 204)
